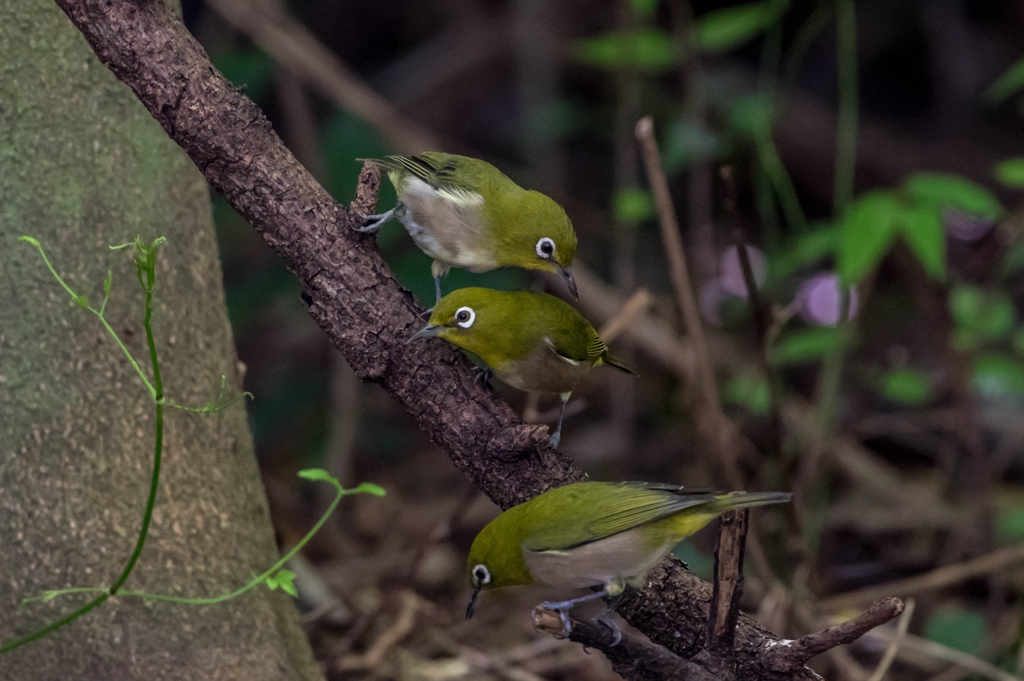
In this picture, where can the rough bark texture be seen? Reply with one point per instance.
(83, 165)
(355, 299)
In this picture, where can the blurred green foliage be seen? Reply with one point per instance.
(1011, 172)
(802, 346)
(725, 29)
(648, 49)
(750, 391)
(908, 386)
(958, 628)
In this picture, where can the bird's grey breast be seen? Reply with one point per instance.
(448, 225)
(623, 556)
(543, 370)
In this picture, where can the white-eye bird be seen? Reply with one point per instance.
(594, 534)
(531, 341)
(464, 212)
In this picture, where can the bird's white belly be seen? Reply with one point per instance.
(449, 228)
(623, 557)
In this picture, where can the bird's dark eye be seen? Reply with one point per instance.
(545, 248)
(465, 317)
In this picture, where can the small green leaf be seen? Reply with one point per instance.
(989, 314)
(925, 235)
(316, 474)
(1010, 521)
(29, 240)
(751, 116)
(271, 582)
(108, 283)
(820, 242)
(1011, 172)
(49, 595)
(1005, 85)
(633, 205)
(906, 386)
(644, 9)
(749, 391)
(866, 232)
(286, 580)
(648, 49)
(724, 29)
(998, 377)
(368, 488)
(953, 191)
(80, 300)
(800, 347)
(957, 628)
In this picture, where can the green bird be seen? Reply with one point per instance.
(464, 212)
(531, 341)
(594, 534)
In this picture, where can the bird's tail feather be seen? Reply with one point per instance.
(735, 500)
(617, 363)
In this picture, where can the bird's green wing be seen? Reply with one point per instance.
(568, 334)
(445, 172)
(606, 509)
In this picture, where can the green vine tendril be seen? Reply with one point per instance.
(275, 577)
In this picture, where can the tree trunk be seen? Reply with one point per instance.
(84, 165)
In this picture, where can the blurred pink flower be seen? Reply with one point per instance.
(966, 227)
(819, 300)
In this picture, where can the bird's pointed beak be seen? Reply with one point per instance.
(569, 281)
(472, 603)
(428, 331)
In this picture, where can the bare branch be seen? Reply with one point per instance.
(633, 658)
(789, 655)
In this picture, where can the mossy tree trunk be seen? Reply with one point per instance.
(84, 165)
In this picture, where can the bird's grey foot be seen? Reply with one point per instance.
(605, 618)
(378, 221)
(555, 438)
(563, 608)
(483, 375)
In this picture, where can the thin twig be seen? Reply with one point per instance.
(399, 629)
(938, 651)
(938, 578)
(895, 643)
(717, 429)
(685, 297)
(633, 308)
(792, 654)
(296, 47)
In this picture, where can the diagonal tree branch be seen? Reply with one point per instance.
(355, 299)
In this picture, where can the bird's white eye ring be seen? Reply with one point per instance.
(481, 575)
(545, 248)
(465, 317)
